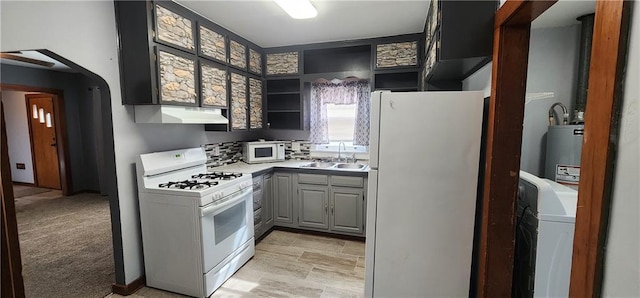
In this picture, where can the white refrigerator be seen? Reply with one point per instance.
(424, 154)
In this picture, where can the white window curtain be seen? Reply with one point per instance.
(340, 93)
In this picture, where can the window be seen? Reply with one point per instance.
(340, 113)
(341, 120)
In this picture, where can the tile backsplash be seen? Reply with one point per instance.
(297, 150)
(231, 152)
(226, 153)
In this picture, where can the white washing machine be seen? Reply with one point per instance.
(544, 237)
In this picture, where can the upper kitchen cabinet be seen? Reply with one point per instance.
(237, 54)
(397, 54)
(173, 28)
(170, 55)
(213, 78)
(213, 44)
(255, 62)
(458, 41)
(239, 105)
(177, 77)
(255, 103)
(283, 63)
(396, 63)
(158, 63)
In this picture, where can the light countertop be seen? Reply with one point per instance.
(246, 168)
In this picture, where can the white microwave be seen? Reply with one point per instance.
(257, 152)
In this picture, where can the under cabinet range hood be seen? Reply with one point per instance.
(178, 114)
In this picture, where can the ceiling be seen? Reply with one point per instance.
(564, 13)
(57, 65)
(264, 23)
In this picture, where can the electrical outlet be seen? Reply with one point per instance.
(216, 150)
(20, 166)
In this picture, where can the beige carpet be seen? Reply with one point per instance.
(66, 246)
(29, 191)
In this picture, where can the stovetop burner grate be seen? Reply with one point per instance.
(188, 184)
(218, 176)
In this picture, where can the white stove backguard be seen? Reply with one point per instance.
(168, 161)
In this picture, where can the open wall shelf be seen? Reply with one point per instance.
(401, 81)
(283, 104)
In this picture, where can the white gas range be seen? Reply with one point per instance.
(197, 227)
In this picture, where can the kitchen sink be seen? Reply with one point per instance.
(355, 166)
(333, 165)
(320, 165)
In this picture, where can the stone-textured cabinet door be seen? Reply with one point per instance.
(213, 80)
(238, 101)
(283, 200)
(237, 54)
(213, 44)
(173, 28)
(397, 54)
(255, 103)
(282, 63)
(347, 210)
(177, 78)
(313, 203)
(255, 62)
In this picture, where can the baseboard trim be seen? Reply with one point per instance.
(24, 183)
(126, 290)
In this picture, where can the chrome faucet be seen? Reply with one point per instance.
(340, 151)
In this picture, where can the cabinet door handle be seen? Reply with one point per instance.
(331, 209)
(325, 208)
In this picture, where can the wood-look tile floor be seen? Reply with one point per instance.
(293, 265)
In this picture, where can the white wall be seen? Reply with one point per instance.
(622, 257)
(15, 111)
(553, 57)
(85, 32)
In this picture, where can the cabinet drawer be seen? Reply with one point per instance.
(347, 181)
(257, 183)
(257, 216)
(313, 179)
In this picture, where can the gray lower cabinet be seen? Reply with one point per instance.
(332, 203)
(267, 201)
(347, 208)
(313, 201)
(283, 199)
(327, 203)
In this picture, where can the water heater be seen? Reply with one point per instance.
(564, 146)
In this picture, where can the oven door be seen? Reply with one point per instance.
(226, 225)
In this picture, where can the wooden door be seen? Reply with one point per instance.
(43, 140)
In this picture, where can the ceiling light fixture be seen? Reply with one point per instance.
(298, 9)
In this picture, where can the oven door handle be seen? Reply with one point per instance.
(213, 208)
